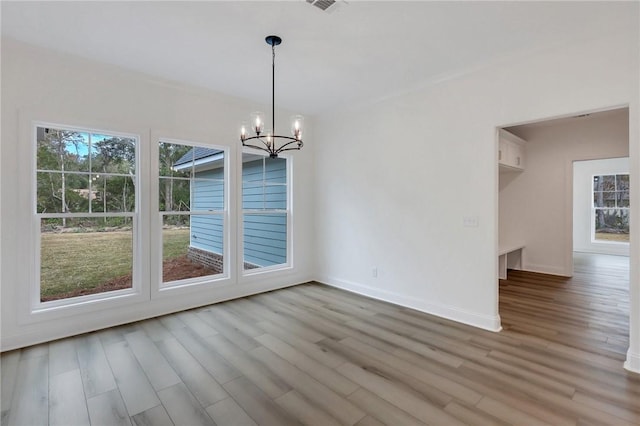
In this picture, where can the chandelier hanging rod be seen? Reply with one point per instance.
(273, 41)
(269, 139)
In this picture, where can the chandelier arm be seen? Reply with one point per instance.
(265, 147)
(295, 148)
(290, 138)
(291, 141)
(257, 147)
(258, 138)
(271, 148)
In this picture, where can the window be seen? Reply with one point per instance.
(265, 211)
(192, 207)
(86, 192)
(611, 208)
(87, 211)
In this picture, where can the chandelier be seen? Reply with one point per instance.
(266, 139)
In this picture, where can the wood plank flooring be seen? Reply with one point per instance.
(316, 355)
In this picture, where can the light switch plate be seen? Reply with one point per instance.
(470, 221)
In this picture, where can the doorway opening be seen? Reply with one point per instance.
(550, 284)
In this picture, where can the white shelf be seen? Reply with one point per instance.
(509, 254)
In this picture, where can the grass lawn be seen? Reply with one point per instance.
(605, 236)
(175, 242)
(85, 260)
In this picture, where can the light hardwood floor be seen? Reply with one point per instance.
(316, 355)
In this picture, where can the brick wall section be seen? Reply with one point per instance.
(210, 260)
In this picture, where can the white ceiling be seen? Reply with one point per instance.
(362, 51)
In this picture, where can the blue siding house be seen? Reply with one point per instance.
(207, 193)
(264, 202)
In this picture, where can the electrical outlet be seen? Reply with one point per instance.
(374, 272)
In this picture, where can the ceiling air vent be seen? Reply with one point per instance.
(326, 5)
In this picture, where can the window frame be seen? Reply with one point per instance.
(146, 277)
(73, 305)
(594, 209)
(159, 287)
(288, 265)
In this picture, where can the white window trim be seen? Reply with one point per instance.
(288, 265)
(160, 289)
(38, 310)
(146, 279)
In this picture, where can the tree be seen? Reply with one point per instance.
(169, 154)
(115, 155)
(59, 151)
(78, 172)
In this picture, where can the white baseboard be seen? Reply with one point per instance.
(622, 250)
(633, 362)
(491, 323)
(547, 269)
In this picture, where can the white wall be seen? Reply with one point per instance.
(394, 179)
(583, 172)
(535, 205)
(43, 85)
(632, 362)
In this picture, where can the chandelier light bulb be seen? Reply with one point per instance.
(257, 121)
(297, 122)
(269, 138)
(244, 131)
